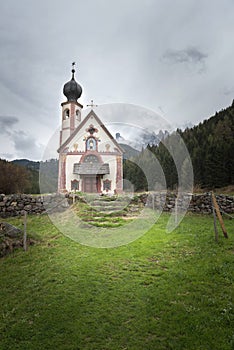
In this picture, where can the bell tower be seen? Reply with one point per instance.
(71, 109)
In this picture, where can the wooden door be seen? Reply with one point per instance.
(90, 184)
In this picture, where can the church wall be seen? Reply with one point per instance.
(65, 134)
(104, 138)
(105, 147)
(66, 123)
(111, 160)
(71, 160)
(77, 144)
(105, 141)
(71, 117)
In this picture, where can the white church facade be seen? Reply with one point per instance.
(90, 159)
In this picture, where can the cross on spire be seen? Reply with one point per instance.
(92, 104)
(73, 69)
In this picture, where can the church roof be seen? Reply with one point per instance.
(91, 113)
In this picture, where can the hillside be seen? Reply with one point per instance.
(29, 164)
(210, 145)
(129, 151)
(22, 176)
(13, 178)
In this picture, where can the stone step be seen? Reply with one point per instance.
(108, 204)
(108, 209)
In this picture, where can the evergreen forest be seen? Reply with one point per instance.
(211, 148)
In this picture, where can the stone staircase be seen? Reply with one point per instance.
(108, 206)
(106, 212)
(121, 206)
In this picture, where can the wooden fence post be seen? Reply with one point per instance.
(25, 232)
(219, 216)
(214, 215)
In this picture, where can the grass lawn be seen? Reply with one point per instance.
(163, 291)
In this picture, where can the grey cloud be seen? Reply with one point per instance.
(189, 55)
(128, 52)
(23, 141)
(26, 145)
(6, 156)
(228, 91)
(6, 124)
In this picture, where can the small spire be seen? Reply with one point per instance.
(73, 69)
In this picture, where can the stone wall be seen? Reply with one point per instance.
(199, 203)
(17, 204)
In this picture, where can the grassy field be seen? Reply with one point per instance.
(164, 291)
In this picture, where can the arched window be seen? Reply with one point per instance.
(66, 114)
(91, 144)
(75, 185)
(106, 185)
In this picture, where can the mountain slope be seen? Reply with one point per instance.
(29, 164)
(210, 145)
(129, 151)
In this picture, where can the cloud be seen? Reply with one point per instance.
(130, 52)
(7, 123)
(228, 91)
(6, 156)
(26, 145)
(23, 141)
(191, 55)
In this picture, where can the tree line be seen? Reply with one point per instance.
(210, 145)
(24, 176)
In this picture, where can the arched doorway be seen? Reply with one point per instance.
(91, 170)
(91, 182)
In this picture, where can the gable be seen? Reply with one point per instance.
(78, 138)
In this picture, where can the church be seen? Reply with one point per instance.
(90, 159)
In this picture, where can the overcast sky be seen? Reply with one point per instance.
(174, 57)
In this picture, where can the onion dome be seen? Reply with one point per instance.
(72, 90)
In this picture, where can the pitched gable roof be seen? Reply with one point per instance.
(91, 113)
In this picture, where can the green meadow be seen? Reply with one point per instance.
(163, 291)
